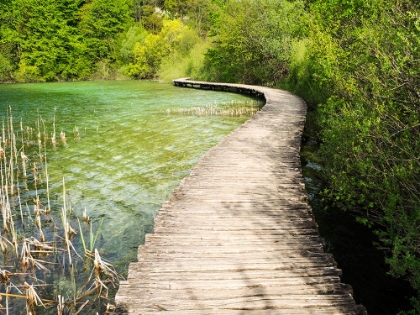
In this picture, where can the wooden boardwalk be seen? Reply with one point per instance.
(238, 236)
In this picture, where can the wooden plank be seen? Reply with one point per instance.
(238, 241)
(251, 290)
(233, 284)
(236, 275)
(289, 232)
(330, 310)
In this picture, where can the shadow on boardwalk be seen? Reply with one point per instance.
(238, 236)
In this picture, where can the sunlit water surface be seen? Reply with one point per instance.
(124, 153)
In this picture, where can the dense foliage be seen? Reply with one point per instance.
(368, 67)
(60, 40)
(356, 63)
(254, 41)
(98, 39)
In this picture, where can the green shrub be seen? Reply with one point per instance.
(370, 124)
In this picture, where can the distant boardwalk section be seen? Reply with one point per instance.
(238, 236)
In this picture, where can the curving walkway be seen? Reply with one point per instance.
(238, 236)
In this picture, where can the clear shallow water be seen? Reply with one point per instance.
(124, 154)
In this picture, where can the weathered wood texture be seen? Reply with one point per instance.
(238, 236)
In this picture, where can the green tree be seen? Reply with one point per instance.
(101, 25)
(253, 41)
(136, 34)
(179, 8)
(63, 39)
(43, 37)
(174, 38)
(152, 19)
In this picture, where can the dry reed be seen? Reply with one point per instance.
(28, 255)
(231, 109)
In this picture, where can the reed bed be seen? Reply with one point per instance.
(40, 262)
(229, 109)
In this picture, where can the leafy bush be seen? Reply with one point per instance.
(371, 124)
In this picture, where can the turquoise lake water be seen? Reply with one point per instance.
(126, 149)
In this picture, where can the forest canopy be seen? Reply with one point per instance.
(355, 62)
(64, 40)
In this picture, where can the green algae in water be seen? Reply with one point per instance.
(123, 156)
